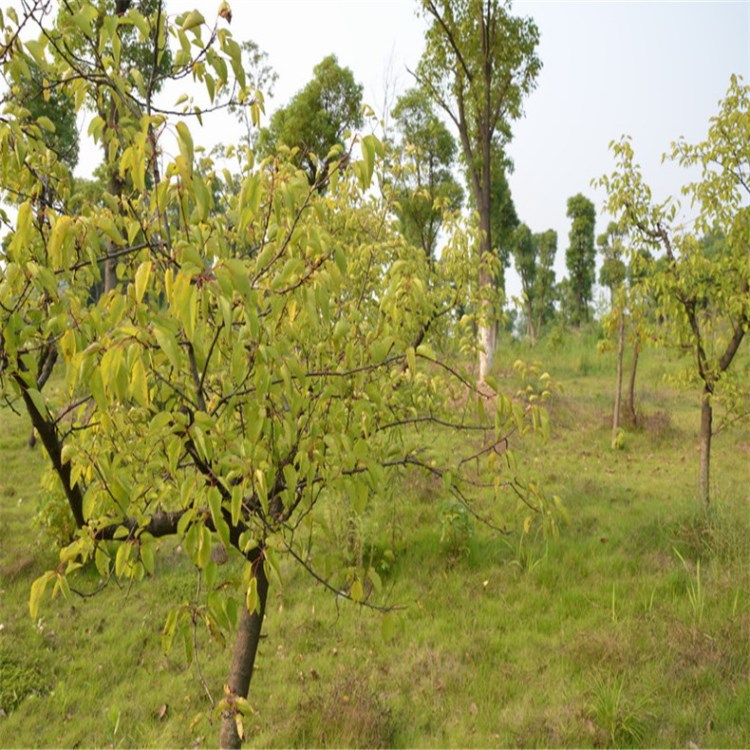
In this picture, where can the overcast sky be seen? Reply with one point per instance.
(654, 70)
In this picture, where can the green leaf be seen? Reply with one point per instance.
(168, 344)
(121, 559)
(192, 19)
(37, 589)
(204, 547)
(102, 560)
(141, 23)
(147, 557)
(411, 359)
(37, 51)
(368, 157)
(214, 503)
(138, 383)
(46, 123)
(236, 506)
(110, 229)
(357, 591)
(252, 600)
(186, 140)
(141, 279)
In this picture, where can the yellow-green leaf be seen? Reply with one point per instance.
(186, 142)
(141, 279)
(357, 591)
(37, 589)
(193, 19)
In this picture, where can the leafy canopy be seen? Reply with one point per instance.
(253, 364)
(317, 118)
(425, 186)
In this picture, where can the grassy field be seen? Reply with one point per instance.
(632, 628)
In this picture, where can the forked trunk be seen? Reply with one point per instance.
(706, 426)
(618, 385)
(243, 658)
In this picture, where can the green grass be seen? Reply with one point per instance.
(632, 628)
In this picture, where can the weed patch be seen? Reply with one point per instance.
(621, 716)
(345, 713)
(19, 678)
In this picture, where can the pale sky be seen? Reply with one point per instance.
(654, 70)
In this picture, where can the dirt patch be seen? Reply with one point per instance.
(657, 426)
(601, 650)
(17, 568)
(347, 713)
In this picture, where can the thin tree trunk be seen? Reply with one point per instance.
(486, 350)
(115, 188)
(705, 438)
(538, 329)
(618, 386)
(530, 323)
(630, 406)
(486, 327)
(243, 658)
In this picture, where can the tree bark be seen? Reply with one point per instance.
(630, 405)
(47, 431)
(530, 324)
(705, 440)
(618, 384)
(243, 657)
(486, 346)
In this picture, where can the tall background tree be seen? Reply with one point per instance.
(53, 104)
(545, 278)
(525, 250)
(580, 257)
(317, 119)
(424, 182)
(479, 64)
(534, 258)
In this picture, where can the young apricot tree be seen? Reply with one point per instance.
(247, 364)
(703, 297)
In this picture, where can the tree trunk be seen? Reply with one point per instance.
(486, 327)
(243, 658)
(486, 349)
(630, 405)
(530, 324)
(706, 426)
(116, 188)
(538, 329)
(618, 385)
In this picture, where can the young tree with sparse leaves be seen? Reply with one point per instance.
(702, 296)
(612, 275)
